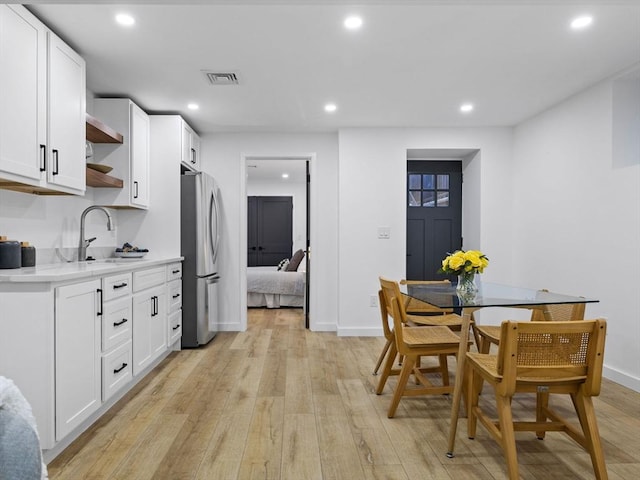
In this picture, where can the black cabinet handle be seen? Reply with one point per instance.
(54, 152)
(253, 248)
(120, 285)
(193, 156)
(135, 189)
(175, 271)
(122, 322)
(260, 248)
(99, 290)
(116, 370)
(153, 306)
(176, 327)
(176, 295)
(43, 157)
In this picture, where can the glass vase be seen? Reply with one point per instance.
(467, 288)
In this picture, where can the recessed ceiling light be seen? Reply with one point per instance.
(285, 175)
(125, 20)
(466, 107)
(581, 22)
(330, 107)
(193, 106)
(353, 22)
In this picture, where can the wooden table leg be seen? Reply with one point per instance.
(457, 389)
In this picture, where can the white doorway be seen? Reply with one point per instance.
(263, 173)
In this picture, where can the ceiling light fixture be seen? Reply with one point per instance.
(330, 107)
(125, 20)
(581, 22)
(285, 175)
(193, 106)
(466, 107)
(353, 22)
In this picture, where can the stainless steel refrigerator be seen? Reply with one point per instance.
(199, 244)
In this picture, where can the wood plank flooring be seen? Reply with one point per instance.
(280, 402)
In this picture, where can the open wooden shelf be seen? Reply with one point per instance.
(102, 180)
(98, 132)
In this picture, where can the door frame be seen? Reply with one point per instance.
(312, 206)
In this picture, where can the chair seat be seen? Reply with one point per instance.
(490, 332)
(449, 320)
(428, 336)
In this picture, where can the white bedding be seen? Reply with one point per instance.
(270, 280)
(267, 287)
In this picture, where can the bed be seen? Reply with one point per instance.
(273, 288)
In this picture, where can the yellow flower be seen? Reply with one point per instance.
(471, 261)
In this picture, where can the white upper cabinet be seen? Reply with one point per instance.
(131, 159)
(42, 107)
(67, 116)
(190, 142)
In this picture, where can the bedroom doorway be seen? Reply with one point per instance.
(272, 178)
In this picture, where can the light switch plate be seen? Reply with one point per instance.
(384, 232)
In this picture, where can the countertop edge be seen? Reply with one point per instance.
(77, 271)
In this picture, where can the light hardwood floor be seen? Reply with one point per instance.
(280, 402)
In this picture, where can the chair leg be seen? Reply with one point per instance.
(507, 435)
(382, 354)
(407, 368)
(542, 403)
(444, 369)
(473, 395)
(587, 417)
(388, 367)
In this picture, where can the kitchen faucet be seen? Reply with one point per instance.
(82, 247)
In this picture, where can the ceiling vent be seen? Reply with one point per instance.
(222, 78)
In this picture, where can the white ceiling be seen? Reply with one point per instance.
(412, 64)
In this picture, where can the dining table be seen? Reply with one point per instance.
(444, 295)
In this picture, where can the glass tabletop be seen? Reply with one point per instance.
(489, 295)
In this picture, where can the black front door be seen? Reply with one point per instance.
(434, 216)
(270, 230)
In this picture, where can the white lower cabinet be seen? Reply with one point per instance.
(117, 325)
(149, 317)
(73, 349)
(117, 368)
(174, 277)
(77, 355)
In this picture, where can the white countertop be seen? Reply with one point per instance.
(58, 272)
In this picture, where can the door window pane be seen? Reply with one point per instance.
(443, 199)
(414, 199)
(428, 182)
(443, 182)
(414, 182)
(428, 199)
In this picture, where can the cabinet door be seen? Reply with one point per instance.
(159, 324)
(149, 326)
(66, 96)
(22, 94)
(143, 308)
(195, 150)
(77, 354)
(139, 157)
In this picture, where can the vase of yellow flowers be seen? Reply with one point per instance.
(465, 265)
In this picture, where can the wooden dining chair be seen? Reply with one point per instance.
(488, 335)
(386, 330)
(556, 357)
(413, 343)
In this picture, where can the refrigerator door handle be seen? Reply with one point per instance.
(214, 214)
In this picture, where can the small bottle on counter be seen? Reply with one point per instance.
(28, 254)
(10, 256)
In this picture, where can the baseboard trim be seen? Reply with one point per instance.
(622, 378)
(359, 331)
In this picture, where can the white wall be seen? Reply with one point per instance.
(577, 223)
(372, 192)
(222, 155)
(298, 192)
